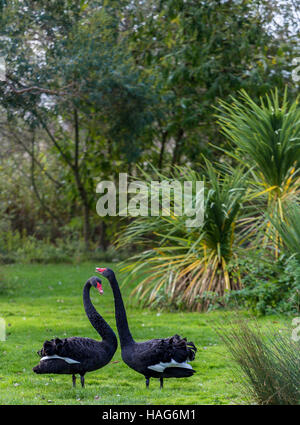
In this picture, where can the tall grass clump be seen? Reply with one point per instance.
(268, 364)
(265, 137)
(184, 266)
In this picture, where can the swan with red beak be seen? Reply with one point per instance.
(157, 358)
(78, 355)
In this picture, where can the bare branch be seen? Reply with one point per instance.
(27, 150)
(36, 89)
(34, 186)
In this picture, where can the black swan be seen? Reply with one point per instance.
(156, 358)
(76, 355)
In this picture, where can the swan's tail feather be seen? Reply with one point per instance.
(179, 349)
(192, 350)
(50, 348)
(178, 372)
(52, 366)
(54, 346)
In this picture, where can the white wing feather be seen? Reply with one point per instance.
(160, 367)
(55, 356)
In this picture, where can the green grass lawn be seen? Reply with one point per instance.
(40, 302)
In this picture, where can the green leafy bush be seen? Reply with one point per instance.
(17, 248)
(268, 287)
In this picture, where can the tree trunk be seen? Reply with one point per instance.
(177, 148)
(86, 226)
(81, 189)
(103, 239)
(162, 150)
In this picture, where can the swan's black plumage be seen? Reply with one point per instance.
(90, 354)
(142, 355)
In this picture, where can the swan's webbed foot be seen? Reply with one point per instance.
(82, 380)
(161, 382)
(147, 382)
(74, 381)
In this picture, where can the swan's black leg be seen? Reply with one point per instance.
(74, 380)
(147, 382)
(82, 380)
(161, 382)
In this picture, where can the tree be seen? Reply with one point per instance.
(199, 52)
(70, 74)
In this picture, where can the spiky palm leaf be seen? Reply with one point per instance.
(289, 230)
(266, 137)
(183, 264)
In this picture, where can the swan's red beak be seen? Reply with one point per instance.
(99, 287)
(100, 270)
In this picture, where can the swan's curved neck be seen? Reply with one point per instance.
(121, 318)
(101, 326)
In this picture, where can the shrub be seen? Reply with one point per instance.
(268, 364)
(266, 139)
(268, 287)
(17, 248)
(183, 263)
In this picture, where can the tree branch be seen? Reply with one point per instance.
(36, 89)
(40, 199)
(27, 150)
(54, 141)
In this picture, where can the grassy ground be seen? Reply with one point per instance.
(41, 302)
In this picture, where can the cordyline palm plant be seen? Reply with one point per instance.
(183, 265)
(289, 230)
(266, 137)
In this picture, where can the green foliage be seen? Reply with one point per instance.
(269, 361)
(86, 63)
(103, 86)
(192, 50)
(273, 287)
(72, 84)
(268, 287)
(266, 135)
(267, 141)
(289, 230)
(183, 263)
(23, 249)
